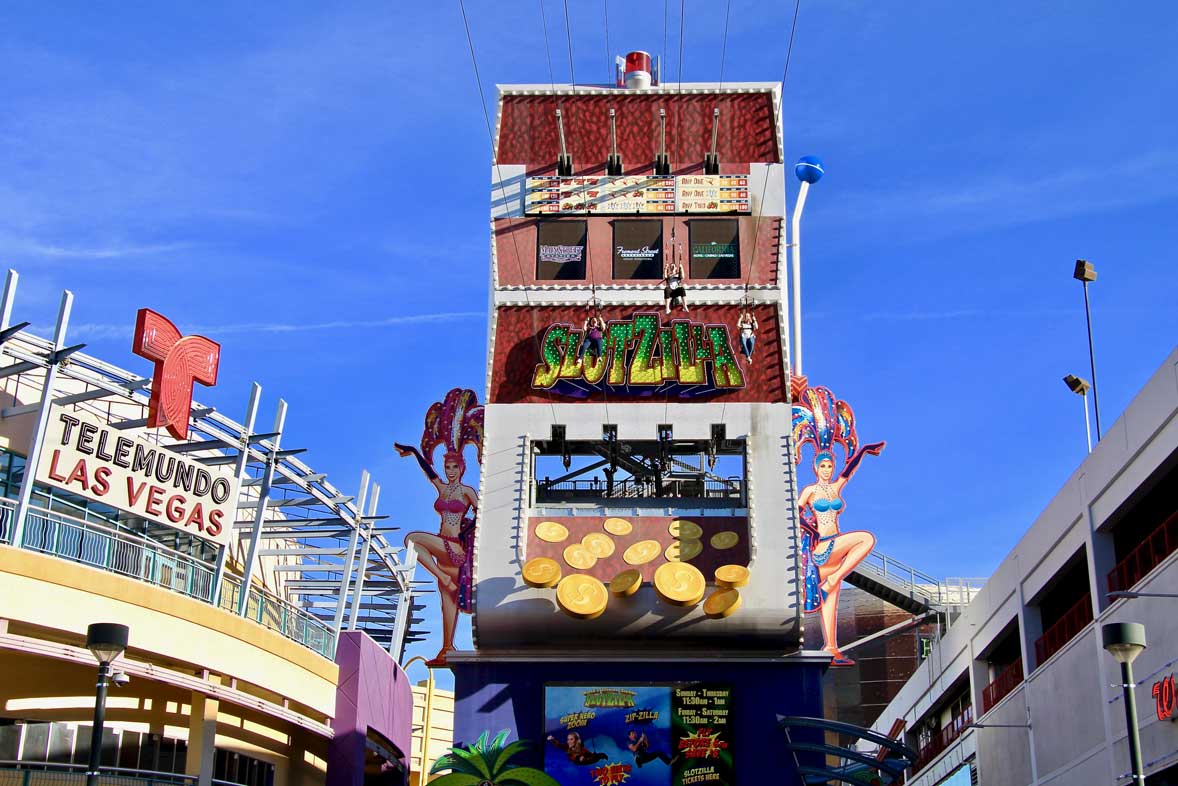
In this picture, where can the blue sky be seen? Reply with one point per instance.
(308, 185)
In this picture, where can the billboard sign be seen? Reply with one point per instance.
(639, 735)
(93, 460)
(636, 194)
(712, 194)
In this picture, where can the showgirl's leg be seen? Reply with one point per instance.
(849, 550)
(449, 621)
(431, 554)
(829, 612)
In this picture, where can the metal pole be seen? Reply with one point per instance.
(260, 509)
(9, 296)
(1087, 422)
(96, 731)
(1131, 723)
(247, 431)
(1092, 362)
(346, 578)
(796, 275)
(37, 440)
(359, 591)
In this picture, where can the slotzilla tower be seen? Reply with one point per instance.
(627, 460)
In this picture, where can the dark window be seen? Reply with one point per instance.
(561, 250)
(638, 249)
(715, 248)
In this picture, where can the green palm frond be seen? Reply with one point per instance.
(457, 779)
(475, 758)
(497, 743)
(526, 776)
(451, 762)
(507, 753)
(480, 744)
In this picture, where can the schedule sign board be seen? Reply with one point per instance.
(637, 194)
(712, 193)
(639, 735)
(100, 463)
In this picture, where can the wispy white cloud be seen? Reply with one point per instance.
(33, 248)
(96, 331)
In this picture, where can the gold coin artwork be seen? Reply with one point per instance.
(722, 603)
(541, 572)
(731, 576)
(683, 550)
(599, 544)
(581, 597)
(551, 531)
(642, 552)
(679, 583)
(625, 583)
(687, 530)
(725, 540)
(579, 557)
(618, 527)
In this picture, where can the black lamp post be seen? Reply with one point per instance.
(106, 640)
(1085, 273)
(1125, 641)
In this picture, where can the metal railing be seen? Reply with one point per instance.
(271, 611)
(39, 773)
(1006, 681)
(918, 584)
(99, 546)
(634, 488)
(1148, 554)
(943, 739)
(1064, 629)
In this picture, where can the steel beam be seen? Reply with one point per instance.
(346, 579)
(372, 501)
(260, 512)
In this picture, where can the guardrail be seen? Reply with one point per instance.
(1009, 679)
(100, 546)
(1158, 545)
(943, 739)
(917, 583)
(1064, 629)
(30, 773)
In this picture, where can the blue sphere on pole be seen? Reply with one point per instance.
(809, 169)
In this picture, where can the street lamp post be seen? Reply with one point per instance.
(1079, 386)
(808, 170)
(1085, 273)
(106, 640)
(1125, 641)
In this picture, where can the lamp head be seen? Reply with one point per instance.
(809, 169)
(1077, 385)
(1123, 640)
(1084, 271)
(106, 640)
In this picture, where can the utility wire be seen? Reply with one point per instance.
(724, 42)
(499, 176)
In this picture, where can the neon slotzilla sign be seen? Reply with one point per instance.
(640, 356)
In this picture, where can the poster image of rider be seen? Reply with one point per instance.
(829, 553)
(452, 424)
(597, 735)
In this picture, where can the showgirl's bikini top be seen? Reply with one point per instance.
(450, 506)
(821, 504)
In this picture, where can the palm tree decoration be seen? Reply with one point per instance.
(486, 764)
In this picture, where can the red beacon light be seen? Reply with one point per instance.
(635, 71)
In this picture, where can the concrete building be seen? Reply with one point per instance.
(433, 728)
(266, 610)
(1020, 690)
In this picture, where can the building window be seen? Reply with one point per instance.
(561, 250)
(1064, 606)
(638, 250)
(715, 248)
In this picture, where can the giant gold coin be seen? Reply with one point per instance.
(581, 597)
(541, 572)
(551, 531)
(731, 576)
(618, 527)
(725, 540)
(722, 603)
(687, 530)
(642, 552)
(683, 550)
(579, 557)
(625, 583)
(599, 544)
(679, 583)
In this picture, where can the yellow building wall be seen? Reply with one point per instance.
(440, 714)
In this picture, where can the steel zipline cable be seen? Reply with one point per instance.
(499, 177)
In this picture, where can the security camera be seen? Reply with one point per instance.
(120, 679)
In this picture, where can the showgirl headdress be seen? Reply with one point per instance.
(821, 420)
(454, 422)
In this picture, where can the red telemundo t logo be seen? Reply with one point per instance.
(180, 361)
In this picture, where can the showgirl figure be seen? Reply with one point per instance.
(828, 554)
(453, 423)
